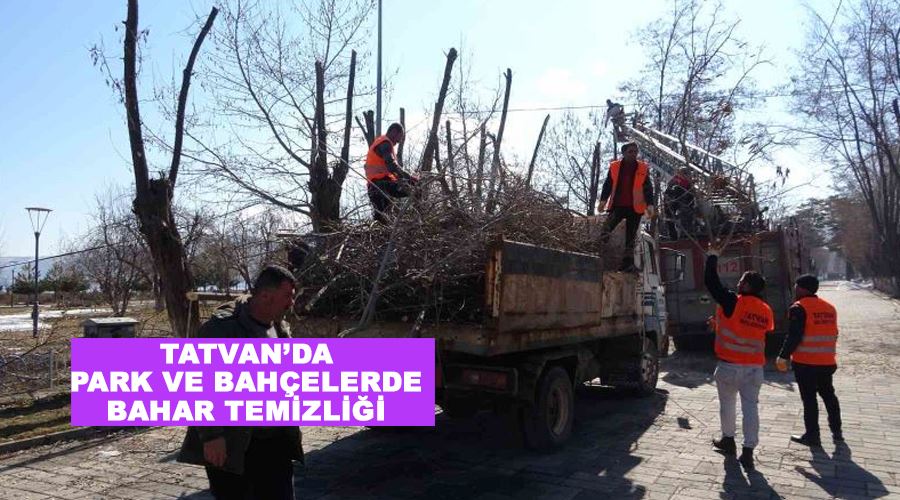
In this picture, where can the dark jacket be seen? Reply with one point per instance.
(233, 321)
(796, 326)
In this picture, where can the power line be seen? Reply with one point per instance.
(58, 256)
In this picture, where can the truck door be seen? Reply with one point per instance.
(653, 293)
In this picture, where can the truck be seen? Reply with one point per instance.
(731, 207)
(777, 254)
(552, 319)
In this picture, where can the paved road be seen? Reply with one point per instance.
(655, 447)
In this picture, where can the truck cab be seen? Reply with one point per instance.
(654, 278)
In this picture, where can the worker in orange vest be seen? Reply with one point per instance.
(742, 321)
(627, 194)
(385, 179)
(811, 345)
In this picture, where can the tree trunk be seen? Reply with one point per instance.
(495, 163)
(153, 198)
(595, 180)
(157, 224)
(400, 146)
(368, 128)
(537, 147)
(479, 170)
(326, 207)
(451, 170)
(432, 144)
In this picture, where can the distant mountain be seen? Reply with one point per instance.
(6, 273)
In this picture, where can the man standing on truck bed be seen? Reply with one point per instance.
(386, 180)
(741, 323)
(627, 194)
(811, 345)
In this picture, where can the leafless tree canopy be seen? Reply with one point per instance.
(117, 260)
(848, 90)
(574, 160)
(279, 93)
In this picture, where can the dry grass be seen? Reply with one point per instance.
(37, 410)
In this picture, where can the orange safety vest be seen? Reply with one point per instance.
(820, 332)
(741, 339)
(637, 191)
(376, 167)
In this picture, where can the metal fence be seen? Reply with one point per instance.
(23, 373)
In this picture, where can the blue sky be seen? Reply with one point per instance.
(63, 133)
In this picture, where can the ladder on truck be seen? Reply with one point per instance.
(722, 194)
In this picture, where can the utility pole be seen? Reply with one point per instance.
(38, 217)
(378, 84)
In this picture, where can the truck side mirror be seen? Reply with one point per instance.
(673, 273)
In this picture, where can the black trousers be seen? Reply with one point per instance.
(812, 380)
(632, 223)
(268, 474)
(382, 194)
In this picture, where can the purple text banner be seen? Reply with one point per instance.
(253, 382)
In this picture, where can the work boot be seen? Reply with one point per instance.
(746, 459)
(807, 440)
(725, 445)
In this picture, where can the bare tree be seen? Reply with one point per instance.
(850, 77)
(154, 196)
(247, 242)
(573, 161)
(117, 259)
(281, 90)
(431, 147)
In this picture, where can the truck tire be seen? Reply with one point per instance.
(548, 423)
(643, 374)
(664, 348)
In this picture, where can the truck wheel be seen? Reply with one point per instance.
(644, 372)
(548, 423)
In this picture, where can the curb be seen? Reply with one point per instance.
(55, 437)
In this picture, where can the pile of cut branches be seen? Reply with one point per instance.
(434, 268)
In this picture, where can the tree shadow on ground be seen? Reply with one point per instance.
(839, 476)
(483, 456)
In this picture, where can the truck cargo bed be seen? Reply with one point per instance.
(535, 298)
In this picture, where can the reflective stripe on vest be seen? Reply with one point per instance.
(637, 190)
(734, 342)
(741, 338)
(376, 167)
(820, 333)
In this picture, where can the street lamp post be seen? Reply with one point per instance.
(38, 217)
(378, 83)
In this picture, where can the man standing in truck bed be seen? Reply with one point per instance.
(627, 194)
(741, 323)
(385, 179)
